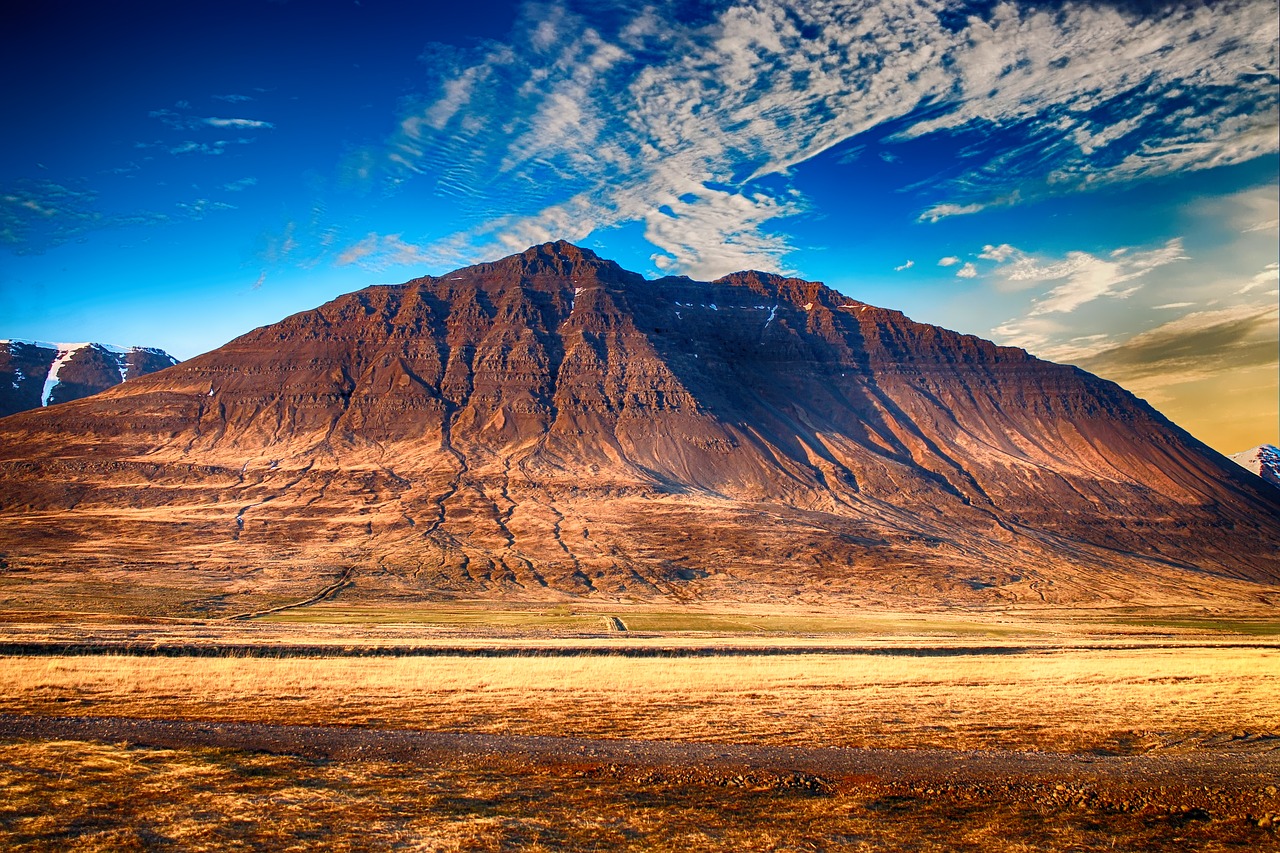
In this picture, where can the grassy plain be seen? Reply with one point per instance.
(1109, 683)
(1075, 700)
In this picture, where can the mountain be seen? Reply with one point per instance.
(35, 374)
(1263, 460)
(551, 425)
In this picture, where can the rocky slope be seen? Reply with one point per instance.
(550, 425)
(1263, 460)
(35, 374)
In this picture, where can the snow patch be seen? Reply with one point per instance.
(65, 352)
(41, 344)
(773, 312)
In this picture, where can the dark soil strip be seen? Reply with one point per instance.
(1213, 779)
(55, 648)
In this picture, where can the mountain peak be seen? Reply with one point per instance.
(550, 424)
(561, 250)
(1263, 460)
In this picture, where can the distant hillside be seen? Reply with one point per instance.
(35, 374)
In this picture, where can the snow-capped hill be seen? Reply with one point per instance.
(39, 373)
(1263, 460)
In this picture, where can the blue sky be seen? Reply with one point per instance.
(1096, 182)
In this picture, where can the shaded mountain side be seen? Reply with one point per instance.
(552, 424)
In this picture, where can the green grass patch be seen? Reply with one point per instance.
(1252, 627)
(553, 617)
(729, 623)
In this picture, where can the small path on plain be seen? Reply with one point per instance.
(328, 592)
(615, 625)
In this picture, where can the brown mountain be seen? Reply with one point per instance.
(35, 374)
(551, 424)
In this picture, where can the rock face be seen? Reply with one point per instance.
(551, 425)
(1263, 460)
(35, 374)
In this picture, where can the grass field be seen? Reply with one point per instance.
(1095, 684)
(1068, 700)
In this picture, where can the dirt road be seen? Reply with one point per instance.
(1219, 781)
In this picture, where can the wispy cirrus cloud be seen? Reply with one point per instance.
(36, 216)
(590, 119)
(377, 252)
(184, 121)
(199, 208)
(1086, 277)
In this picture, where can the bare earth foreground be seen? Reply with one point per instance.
(496, 728)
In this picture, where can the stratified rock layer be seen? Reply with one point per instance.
(551, 425)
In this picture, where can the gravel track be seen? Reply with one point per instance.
(1212, 779)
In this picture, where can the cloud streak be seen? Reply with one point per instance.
(587, 121)
(1196, 346)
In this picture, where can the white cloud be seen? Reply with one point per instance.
(941, 211)
(182, 121)
(1268, 276)
(967, 271)
(240, 185)
(999, 254)
(588, 123)
(243, 123)
(36, 215)
(1084, 276)
(1169, 305)
(377, 252)
(949, 261)
(198, 208)
(1265, 225)
(908, 265)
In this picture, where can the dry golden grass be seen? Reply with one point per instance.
(1060, 700)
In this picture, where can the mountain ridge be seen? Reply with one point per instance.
(34, 374)
(550, 424)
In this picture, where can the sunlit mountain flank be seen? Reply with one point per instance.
(1095, 182)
